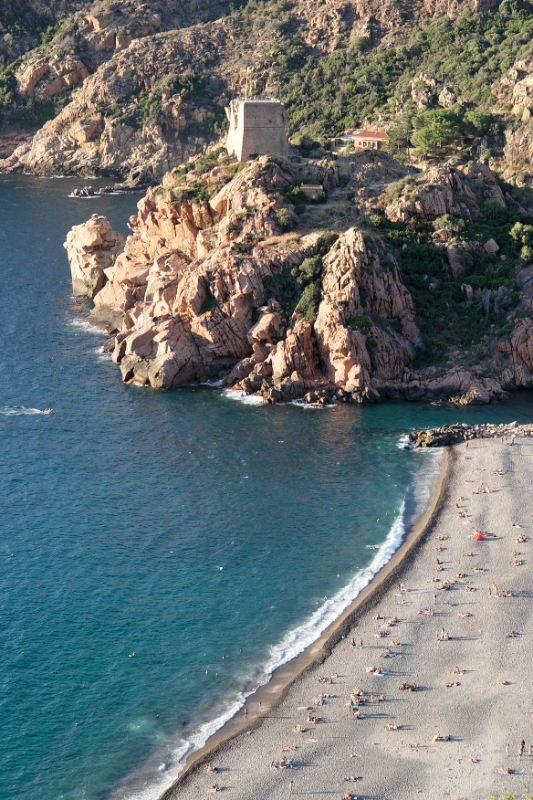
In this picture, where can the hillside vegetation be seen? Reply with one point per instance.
(435, 80)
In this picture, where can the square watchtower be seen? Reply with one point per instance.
(256, 127)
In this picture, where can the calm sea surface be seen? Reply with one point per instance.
(183, 526)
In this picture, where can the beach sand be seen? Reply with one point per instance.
(481, 715)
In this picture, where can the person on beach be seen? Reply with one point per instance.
(291, 786)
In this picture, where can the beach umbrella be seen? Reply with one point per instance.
(478, 536)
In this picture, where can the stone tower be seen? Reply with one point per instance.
(256, 127)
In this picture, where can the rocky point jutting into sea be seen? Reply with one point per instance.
(213, 289)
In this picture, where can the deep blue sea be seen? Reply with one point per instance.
(183, 526)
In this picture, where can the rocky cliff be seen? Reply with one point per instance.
(210, 286)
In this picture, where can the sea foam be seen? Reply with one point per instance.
(297, 640)
(242, 397)
(20, 411)
(86, 326)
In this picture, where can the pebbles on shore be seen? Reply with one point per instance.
(460, 432)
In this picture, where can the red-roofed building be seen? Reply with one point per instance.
(373, 140)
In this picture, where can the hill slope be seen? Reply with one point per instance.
(134, 85)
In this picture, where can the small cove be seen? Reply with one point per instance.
(182, 526)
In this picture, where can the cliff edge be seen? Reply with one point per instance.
(221, 280)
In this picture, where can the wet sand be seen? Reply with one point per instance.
(490, 707)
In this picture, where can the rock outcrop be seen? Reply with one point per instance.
(461, 432)
(447, 188)
(92, 248)
(214, 289)
(190, 286)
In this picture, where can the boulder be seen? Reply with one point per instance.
(490, 246)
(92, 248)
(457, 265)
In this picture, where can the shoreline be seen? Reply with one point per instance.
(268, 697)
(448, 712)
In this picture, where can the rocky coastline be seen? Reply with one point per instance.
(461, 432)
(220, 281)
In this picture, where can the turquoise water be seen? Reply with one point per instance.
(182, 526)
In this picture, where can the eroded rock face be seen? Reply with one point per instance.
(186, 300)
(356, 284)
(92, 248)
(192, 312)
(446, 189)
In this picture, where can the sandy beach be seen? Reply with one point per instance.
(452, 638)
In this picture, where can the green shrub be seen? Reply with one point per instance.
(494, 212)
(446, 222)
(209, 304)
(522, 234)
(435, 130)
(325, 243)
(284, 288)
(421, 259)
(197, 193)
(309, 301)
(284, 219)
(310, 268)
(527, 253)
(361, 324)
